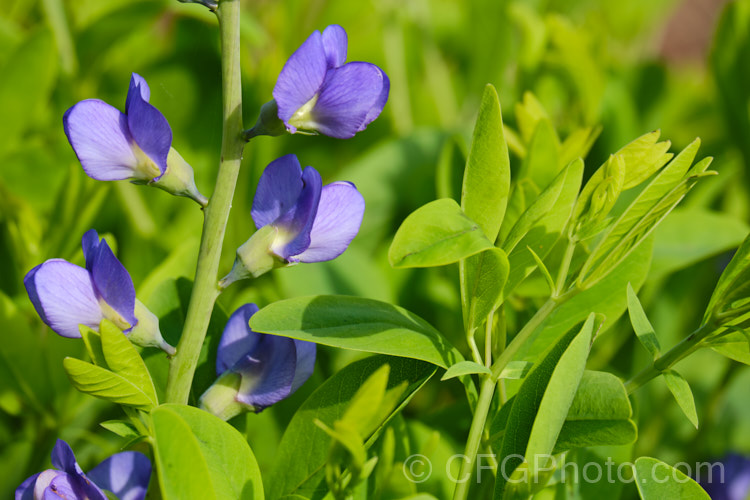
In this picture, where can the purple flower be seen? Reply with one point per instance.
(317, 91)
(66, 295)
(255, 370)
(731, 481)
(135, 145)
(298, 219)
(125, 474)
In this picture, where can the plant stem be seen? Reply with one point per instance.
(562, 275)
(475, 438)
(488, 339)
(205, 290)
(488, 390)
(686, 347)
(519, 340)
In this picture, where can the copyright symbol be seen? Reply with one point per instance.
(417, 468)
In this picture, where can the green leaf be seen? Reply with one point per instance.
(486, 183)
(734, 345)
(680, 389)
(104, 384)
(645, 212)
(541, 225)
(516, 370)
(483, 280)
(292, 476)
(688, 236)
(541, 161)
(200, 456)
(124, 360)
(436, 234)
(734, 282)
(539, 411)
(600, 414)
(122, 428)
(608, 298)
(465, 368)
(656, 481)
(93, 342)
(641, 325)
(357, 324)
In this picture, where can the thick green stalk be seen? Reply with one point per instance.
(205, 290)
(475, 438)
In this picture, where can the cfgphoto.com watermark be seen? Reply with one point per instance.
(419, 468)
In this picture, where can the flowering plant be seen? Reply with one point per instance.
(397, 288)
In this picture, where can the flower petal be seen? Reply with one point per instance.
(345, 99)
(26, 490)
(301, 77)
(375, 110)
(137, 84)
(305, 362)
(101, 140)
(237, 340)
(335, 44)
(89, 244)
(338, 220)
(63, 458)
(267, 372)
(150, 130)
(64, 297)
(295, 225)
(125, 474)
(72, 487)
(111, 280)
(278, 189)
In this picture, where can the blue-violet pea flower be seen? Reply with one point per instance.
(255, 370)
(135, 145)
(66, 295)
(125, 474)
(731, 481)
(298, 219)
(319, 92)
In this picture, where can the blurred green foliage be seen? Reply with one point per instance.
(589, 63)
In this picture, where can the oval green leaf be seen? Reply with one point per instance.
(656, 481)
(199, 456)
(436, 234)
(357, 324)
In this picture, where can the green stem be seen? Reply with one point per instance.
(205, 290)
(562, 275)
(488, 390)
(488, 339)
(519, 340)
(686, 347)
(475, 438)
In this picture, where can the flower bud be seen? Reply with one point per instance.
(254, 257)
(220, 398)
(146, 332)
(179, 180)
(268, 122)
